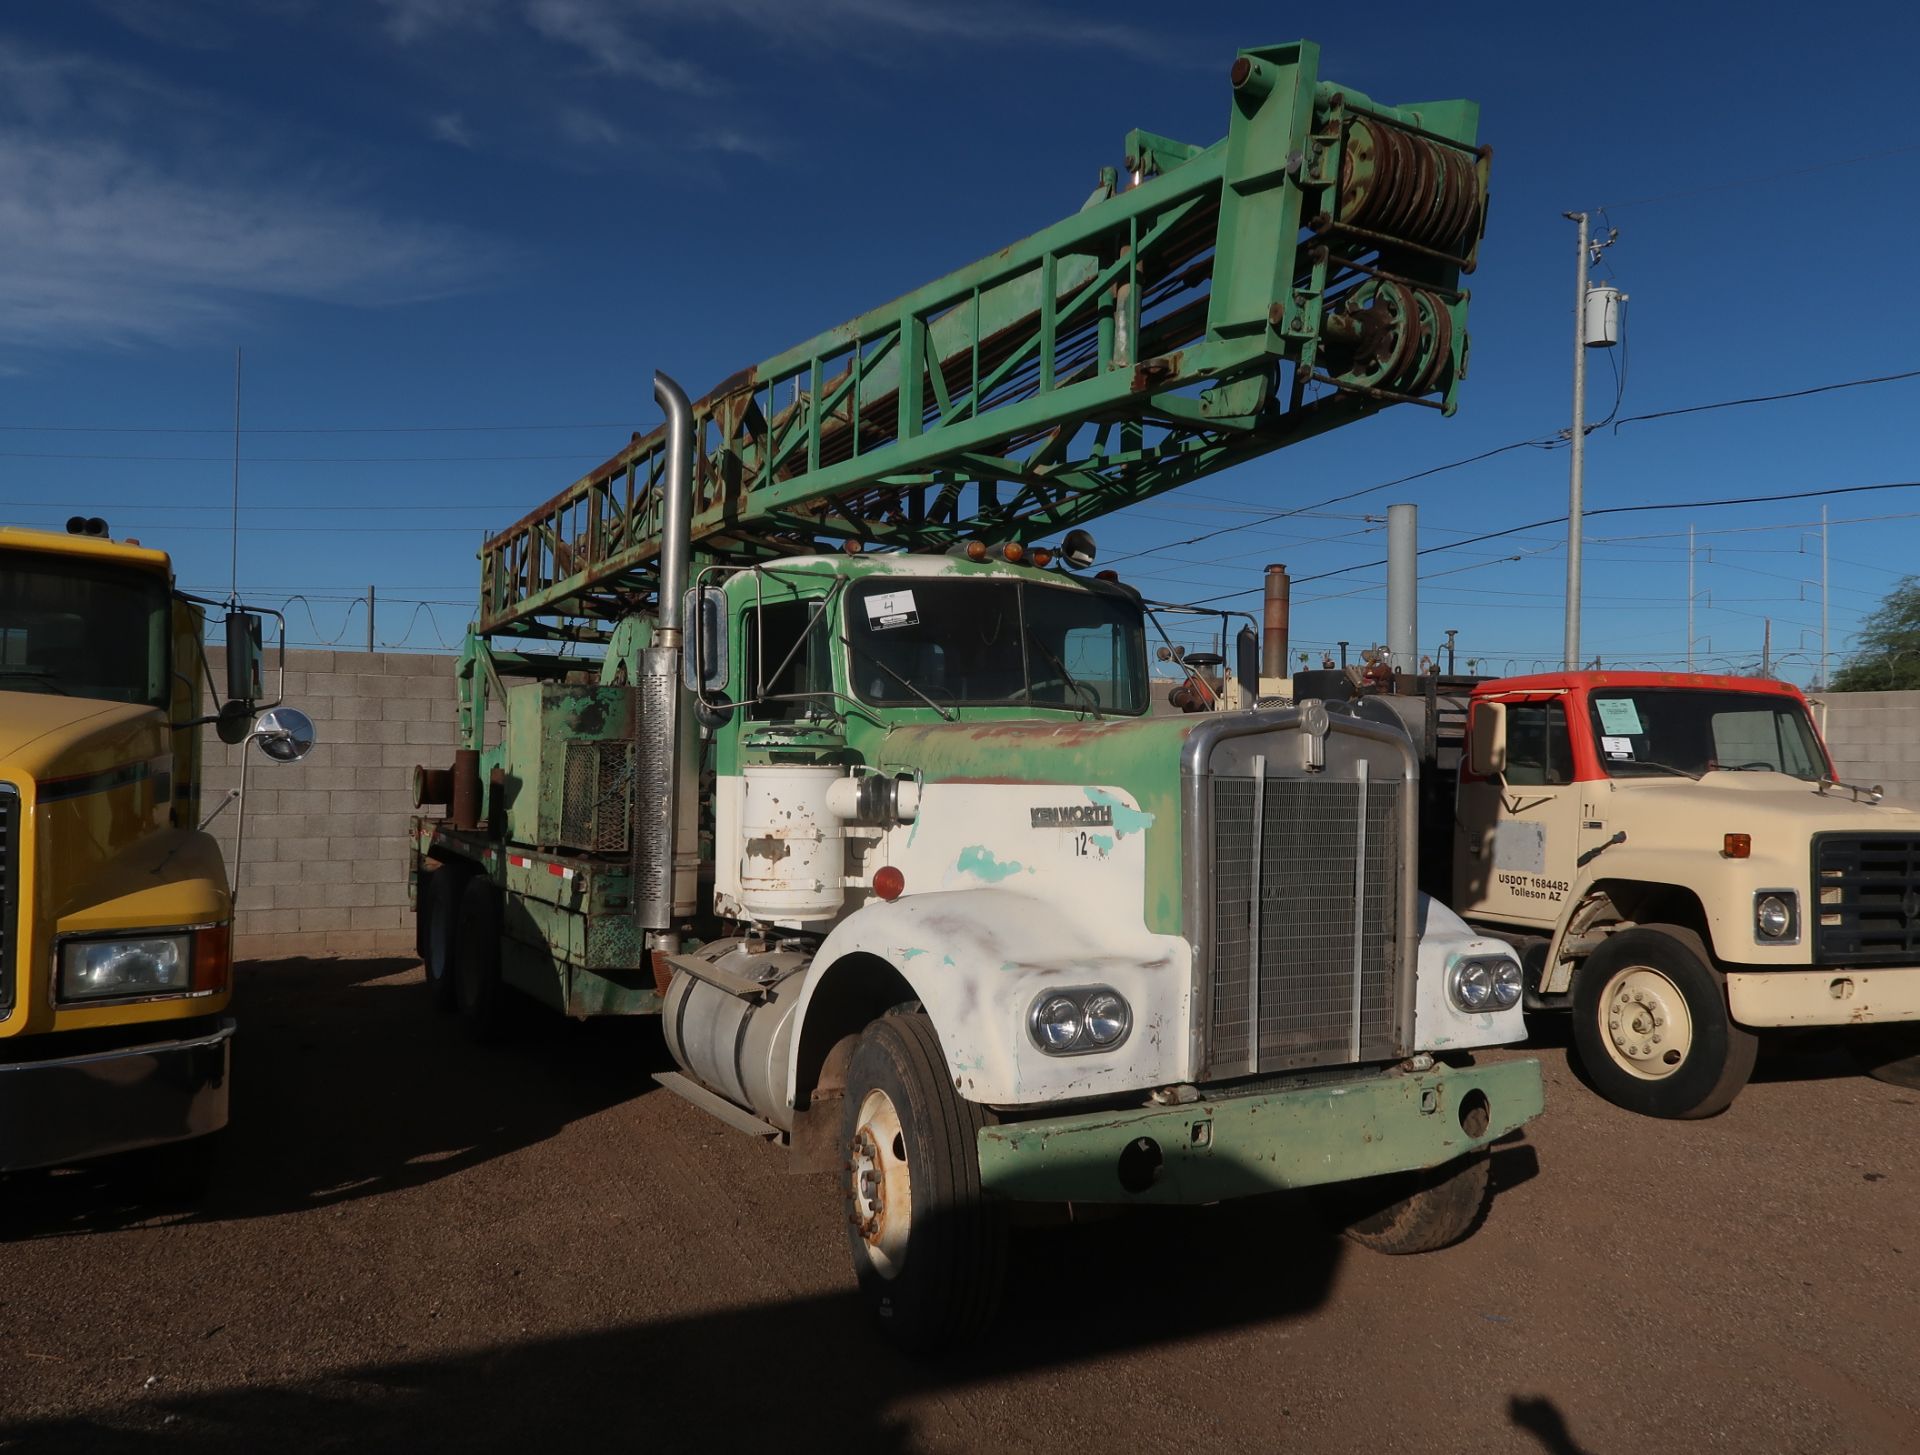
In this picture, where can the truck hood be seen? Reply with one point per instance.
(1768, 794)
(45, 735)
(27, 717)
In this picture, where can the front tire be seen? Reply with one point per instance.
(1416, 1212)
(1651, 1025)
(928, 1248)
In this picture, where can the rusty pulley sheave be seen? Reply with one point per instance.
(1389, 335)
(1407, 187)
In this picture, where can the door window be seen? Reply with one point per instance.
(1539, 751)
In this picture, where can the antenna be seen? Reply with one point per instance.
(233, 587)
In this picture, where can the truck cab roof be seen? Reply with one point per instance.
(91, 548)
(1587, 681)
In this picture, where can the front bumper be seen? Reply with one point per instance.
(1235, 1146)
(1823, 997)
(58, 1111)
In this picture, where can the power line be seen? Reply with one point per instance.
(1769, 398)
(1826, 493)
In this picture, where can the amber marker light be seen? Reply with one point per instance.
(1013, 551)
(212, 959)
(889, 883)
(1040, 558)
(1737, 846)
(976, 550)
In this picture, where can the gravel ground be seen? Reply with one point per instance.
(416, 1243)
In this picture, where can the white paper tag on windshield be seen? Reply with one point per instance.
(1618, 715)
(1617, 747)
(891, 609)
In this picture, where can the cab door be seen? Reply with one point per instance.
(1518, 833)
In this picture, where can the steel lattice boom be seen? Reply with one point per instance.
(1298, 274)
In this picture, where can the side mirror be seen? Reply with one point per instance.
(1246, 665)
(285, 734)
(1487, 739)
(245, 658)
(703, 660)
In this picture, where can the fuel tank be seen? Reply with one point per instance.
(728, 1021)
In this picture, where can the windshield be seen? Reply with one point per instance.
(982, 641)
(1654, 730)
(80, 628)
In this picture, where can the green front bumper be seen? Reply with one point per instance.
(1234, 1146)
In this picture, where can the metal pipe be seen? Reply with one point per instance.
(1277, 621)
(1403, 610)
(676, 526)
(1577, 440)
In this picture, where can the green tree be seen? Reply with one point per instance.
(1888, 654)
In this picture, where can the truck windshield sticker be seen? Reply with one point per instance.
(1617, 714)
(891, 609)
(1617, 747)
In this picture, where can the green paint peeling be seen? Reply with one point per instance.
(909, 954)
(1126, 819)
(1102, 842)
(980, 862)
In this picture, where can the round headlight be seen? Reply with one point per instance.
(1107, 1018)
(1772, 917)
(1472, 985)
(1056, 1024)
(1506, 984)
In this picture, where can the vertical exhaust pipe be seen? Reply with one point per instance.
(676, 527)
(661, 755)
(1277, 621)
(1403, 626)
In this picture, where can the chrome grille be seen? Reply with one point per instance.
(1326, 958)
(9, 889)
(1866, 893)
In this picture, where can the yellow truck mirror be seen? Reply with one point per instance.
(1487, 739)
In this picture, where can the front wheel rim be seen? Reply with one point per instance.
(1645, 1023)
(881, 1186)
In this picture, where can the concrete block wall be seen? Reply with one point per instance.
(325, 853)
(1874, 738)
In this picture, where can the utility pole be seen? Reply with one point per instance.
(1578, 442)
(1823, 596)
(1689, 596)
(369, 618)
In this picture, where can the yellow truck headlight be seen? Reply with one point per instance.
(123, 969)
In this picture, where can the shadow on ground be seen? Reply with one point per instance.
(807, 1373)
(347, 1085)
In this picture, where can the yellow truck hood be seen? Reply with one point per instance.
(43, 733)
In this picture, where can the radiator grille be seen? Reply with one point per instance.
(9, 890)
(1325, 976)
(596, 803)
(1866, 892)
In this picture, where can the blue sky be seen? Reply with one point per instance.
(418, 216)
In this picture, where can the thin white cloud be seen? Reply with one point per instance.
(451, 127)
(587, 128)
(118, 226)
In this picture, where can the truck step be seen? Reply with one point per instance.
(740, 1119)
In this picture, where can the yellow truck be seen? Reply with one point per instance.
(115, 908)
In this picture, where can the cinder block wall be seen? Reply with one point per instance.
(325, 856)
(1875, 738)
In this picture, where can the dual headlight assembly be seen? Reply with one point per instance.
(1478, 983)
(1073, 1022)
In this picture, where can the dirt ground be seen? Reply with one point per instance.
(415, 1243)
